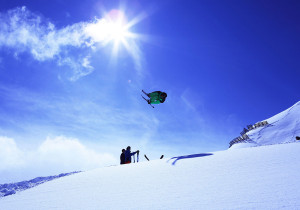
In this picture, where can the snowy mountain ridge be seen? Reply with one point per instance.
(281, 128)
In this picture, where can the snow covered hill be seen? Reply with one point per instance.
(265, 176)
(281, 128)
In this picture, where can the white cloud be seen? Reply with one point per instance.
(10, 155)
(68, 153)
(80, 67)
(24, 31)
(53, 156)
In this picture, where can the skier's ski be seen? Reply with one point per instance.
(145, 93)
(161, 157)
(147, 101)
(146, 157)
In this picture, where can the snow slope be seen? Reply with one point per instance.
(261, 175)
(282, 128)
(264, 177)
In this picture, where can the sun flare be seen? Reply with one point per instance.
(117, 25)
(113, 28)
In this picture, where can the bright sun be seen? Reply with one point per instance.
(114, 27)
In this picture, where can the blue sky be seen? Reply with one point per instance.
(224, 65)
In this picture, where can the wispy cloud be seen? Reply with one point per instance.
(81, 67)
(75, 116)
(24, 31)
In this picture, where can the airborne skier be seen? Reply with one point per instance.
(155, 97)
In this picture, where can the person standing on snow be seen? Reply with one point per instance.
(122, 157)
(128, 154)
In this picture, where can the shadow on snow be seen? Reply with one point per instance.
(189, 156)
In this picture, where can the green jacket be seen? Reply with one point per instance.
(155, 97)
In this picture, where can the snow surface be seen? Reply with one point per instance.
(254, 177)
(264, 177)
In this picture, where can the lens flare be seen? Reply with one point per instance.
(113, 27)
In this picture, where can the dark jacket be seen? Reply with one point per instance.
(122, 158)
(128, 155)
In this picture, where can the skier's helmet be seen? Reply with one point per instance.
(163, 95)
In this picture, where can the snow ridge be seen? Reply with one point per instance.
(281, 128)
(12, 188)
